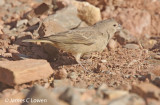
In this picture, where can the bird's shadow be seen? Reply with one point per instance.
(54, 56)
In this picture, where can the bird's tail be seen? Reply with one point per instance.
(37, 40)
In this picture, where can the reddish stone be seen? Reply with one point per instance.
(22, 71)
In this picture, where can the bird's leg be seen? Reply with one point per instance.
(77, 57)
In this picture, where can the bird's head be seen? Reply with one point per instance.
(109, 26)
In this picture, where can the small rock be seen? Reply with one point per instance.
(130, 99)
(34, 28)
(152, 42)
(88, 95)
(62, 3)
(131, 46)
(146, 90)
(49, 26)
(12, 38)
(38, 11)
(156, 81)
(62, 83)
(21, 22)
(73, 75)
(113, 94)
(33, 21)
(103, 87)
(71, 21)
(34, 69)
(72, 97)
(59, 90)
(12, 50)
(7, 92)
(124, 37)
(46, 85)
(61, 74)
(91, 87)
(18, 56)
(149, 76)
(87, 12)
(38, 92)
(7, 55)
(157, 56)
(103, 61)
(100, 90)
(100, 67)
(112, 44)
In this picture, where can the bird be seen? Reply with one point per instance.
(83, 40)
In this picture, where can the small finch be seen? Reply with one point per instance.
(83, 40)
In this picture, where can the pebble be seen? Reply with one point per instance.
(73, 75)
(103, 61)
(46, 85)
(21, 22)
(61, 74)
(131, 46)
(72, 97)
(100, 68)
(33, 21)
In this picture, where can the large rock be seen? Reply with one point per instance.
(40, 96)
(136, 21)
(67, 17)
(147, 90)
(50, 27)
(57, 23)
(99, 3)
(130, 99)
(22, 71)
(114, 9)
(87, 12)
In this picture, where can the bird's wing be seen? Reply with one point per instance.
(80, 36)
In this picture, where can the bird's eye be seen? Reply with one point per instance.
(114, 25)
